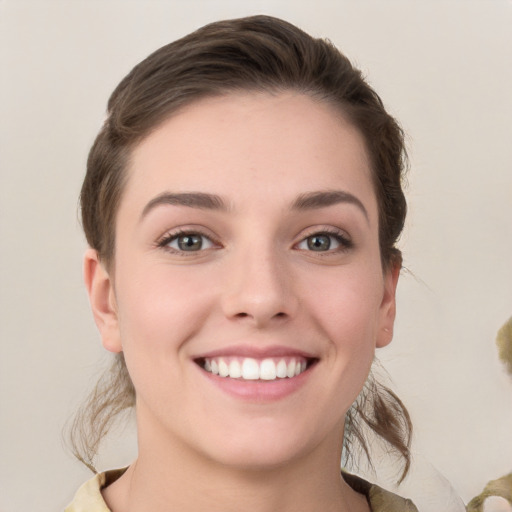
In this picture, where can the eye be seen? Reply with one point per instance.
(324, 241)
(186, 242)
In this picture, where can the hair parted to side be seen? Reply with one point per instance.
(258, 53)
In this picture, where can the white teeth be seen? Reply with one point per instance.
(250, 369)
(223, 368)
(290, 371)
(235, 370)
(255, 369)
(268, 369)
(281, 369)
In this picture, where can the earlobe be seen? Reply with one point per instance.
(102, 299)
(388, 307)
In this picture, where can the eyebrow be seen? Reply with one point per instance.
(190, 199)
(204, 201)
(322, 199)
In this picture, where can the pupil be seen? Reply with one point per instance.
(319, 243)
(190, 243)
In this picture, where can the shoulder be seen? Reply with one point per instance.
(88, 498)
(379, 499)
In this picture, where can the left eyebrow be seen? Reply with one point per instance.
(321, 199)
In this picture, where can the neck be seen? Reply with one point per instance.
(165, 479)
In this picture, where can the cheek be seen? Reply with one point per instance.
(347, 309)
(159, 308)
(160, 311)
(162, 306)
(347, 306)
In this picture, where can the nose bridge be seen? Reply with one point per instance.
(258, 284)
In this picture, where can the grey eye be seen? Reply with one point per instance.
(190, 242)
(319, 242)
(324, 242)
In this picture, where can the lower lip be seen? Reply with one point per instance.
(259, 390)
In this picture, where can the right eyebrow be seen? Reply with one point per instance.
(190, 199)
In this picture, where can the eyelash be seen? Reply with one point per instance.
(344, 242)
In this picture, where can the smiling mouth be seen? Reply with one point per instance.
(251, 369)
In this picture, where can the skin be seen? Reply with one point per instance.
(256, 284)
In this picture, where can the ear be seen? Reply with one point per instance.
(102, 298)
(388, 306)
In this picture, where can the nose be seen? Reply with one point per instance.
(259, 289)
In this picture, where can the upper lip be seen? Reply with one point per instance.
(256, 352)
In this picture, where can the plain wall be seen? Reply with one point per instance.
(442, 67)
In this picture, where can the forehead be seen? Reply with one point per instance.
(258, 144)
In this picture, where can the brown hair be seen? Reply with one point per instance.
(258, 53)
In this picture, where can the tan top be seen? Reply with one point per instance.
(89, 499)
(501, 488)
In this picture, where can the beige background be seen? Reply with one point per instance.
(444, 68)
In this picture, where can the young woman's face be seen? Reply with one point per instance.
(248, 295)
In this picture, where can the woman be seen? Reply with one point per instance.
(242, 203)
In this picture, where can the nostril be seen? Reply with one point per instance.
(245, 315)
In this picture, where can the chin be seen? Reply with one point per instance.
(257, 460)
(263, 450)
